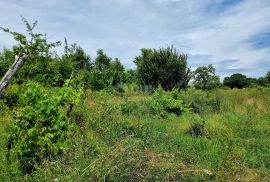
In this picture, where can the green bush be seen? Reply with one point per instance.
(159, 103)
(201, 101)
(197, 128)
(39, 128)
(129, 107)
(11, 96)
(162, 102)
(80, 114)
(3, 106)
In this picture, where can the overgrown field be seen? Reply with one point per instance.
(219, 135)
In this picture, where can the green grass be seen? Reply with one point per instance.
(107, 144)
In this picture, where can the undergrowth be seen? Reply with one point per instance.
(222, 135)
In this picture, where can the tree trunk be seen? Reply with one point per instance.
(19, 60)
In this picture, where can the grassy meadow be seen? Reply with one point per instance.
(224, 136)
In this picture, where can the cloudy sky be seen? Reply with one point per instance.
(233, 35)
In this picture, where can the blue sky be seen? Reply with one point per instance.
(233, 35)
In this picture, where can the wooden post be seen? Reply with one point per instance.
(19, 60)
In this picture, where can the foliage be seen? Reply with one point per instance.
(6, 59)
(130, 76)
(36, 49)
(42, 64)
(116, 73)
(39, 127)
(165, 67)
(201, 101)
(268, 77)
(111, 145)
(162, 102)
(197, 127)
(74, 62)
(262, 81)
(3, 107)
(106, 73)
(236, 80)
(205, 78)
(11, 96)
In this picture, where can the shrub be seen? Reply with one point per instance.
(197, 128)
(167, 102)
(80, 114)
(3, 107)
(39, 127)
(159, 103)
(201, 101)
(11, 96)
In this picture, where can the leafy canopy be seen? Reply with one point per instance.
(236, 80)
(164, 66)
(205, 78)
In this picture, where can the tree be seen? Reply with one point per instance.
(268, 77)
(116, 73)
(106, 72)
(165, 67)
(262, 81)
(130, 76)
(75, 63)
(36, 50)
(236, 80)
(205, 78)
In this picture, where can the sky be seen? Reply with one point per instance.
(233, 35)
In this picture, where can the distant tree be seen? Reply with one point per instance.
(106, 72)
(116, 73)
(75, 64)
(252, 82)
(236, 80)
(100, 72)
(165, 67)
(268, 77)
(205, 78)
(262, 81)
(76, 56)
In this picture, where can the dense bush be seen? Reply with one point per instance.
(3, 107)
(11, 96)
(159, 103)
(201, 101)
(162, 101)
(39, 127)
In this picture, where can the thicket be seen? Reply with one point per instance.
(39, 125)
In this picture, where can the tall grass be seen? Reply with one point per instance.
(120, 138)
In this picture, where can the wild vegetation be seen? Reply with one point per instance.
(72, 118)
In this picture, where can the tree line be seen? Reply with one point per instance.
(165, 67)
